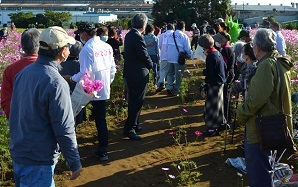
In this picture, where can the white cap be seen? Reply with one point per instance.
(55, 37)
(194, 25)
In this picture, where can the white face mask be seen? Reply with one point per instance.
(104, 38)
(64, 58)
(217, 44)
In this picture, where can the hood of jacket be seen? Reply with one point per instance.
(284, 61)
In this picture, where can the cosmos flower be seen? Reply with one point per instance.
(91, 86)
(198, 133)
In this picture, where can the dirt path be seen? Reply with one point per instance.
(140, 163)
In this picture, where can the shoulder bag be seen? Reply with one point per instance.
(182, 55)
(273, 130)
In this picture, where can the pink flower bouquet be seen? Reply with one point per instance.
(84, 91)
(91, 86)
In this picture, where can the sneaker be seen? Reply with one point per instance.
(159, 89)
(223, 127)
(137, 128)
(102, 157)
(171, 93)
(132, 135)
(211, 132)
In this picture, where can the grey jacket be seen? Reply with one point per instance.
(41, 121)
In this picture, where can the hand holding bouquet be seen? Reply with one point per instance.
(84, 91)
(89, 85)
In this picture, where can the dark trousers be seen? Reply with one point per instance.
(194, 43)
(136, 94)
(227, 109)
(259, 165)
(99, 114)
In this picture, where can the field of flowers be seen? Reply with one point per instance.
(9, 53)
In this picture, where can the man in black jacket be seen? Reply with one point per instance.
(137, 64)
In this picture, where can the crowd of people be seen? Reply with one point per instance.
(36, 97)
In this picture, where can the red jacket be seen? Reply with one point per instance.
(8, 79)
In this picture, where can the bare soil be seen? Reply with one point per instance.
(140, 163)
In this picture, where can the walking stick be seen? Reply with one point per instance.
(234, 124)
(226, 124)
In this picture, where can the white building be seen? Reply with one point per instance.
(250, 14)
(77, 16)
(94, 17)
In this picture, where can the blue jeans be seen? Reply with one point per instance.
(155, 67)
(259, 165)
(33, 176)
(99, 113)
(174, 77)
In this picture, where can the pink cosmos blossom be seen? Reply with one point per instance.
(91, 86)
(198, 133)
(172, 132)
(184, 110)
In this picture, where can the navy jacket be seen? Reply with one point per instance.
(215, 69)
(137, 62)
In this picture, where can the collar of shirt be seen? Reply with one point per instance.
(44, 60)
(31, 56)
(211, 50)
(225, 45)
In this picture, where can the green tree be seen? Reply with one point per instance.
(22, 19)
(57, 18)
(190, 11)
(49, 18)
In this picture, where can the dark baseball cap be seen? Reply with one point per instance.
(243, 33)
(84, 26)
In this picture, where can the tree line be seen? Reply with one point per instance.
(190, 11)
(40, 20)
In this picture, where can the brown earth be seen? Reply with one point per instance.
(140, 163)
